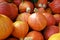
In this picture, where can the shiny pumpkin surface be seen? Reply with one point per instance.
(21, 29)
(37, 21)
(34, 35)
(6, 27)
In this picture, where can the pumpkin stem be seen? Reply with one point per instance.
(35, 10)
(28, 9)
(40, 5)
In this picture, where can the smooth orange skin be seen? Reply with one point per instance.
(50, 30)
(21, 29)
(23, 6)
(54, 5)
(2, 0)
(9, 10)
(50, 19)
(13, 10)
(17, 2)
(23, 17)
(40, 2)
(35, 35)
(37, 21)
(41, 10)
(57, 17)
(6, 26)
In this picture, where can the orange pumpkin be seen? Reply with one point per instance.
(57, 17)
(50, 19)
(2, 0)
(6, 26)
(37, 21)
(26, 6)
(17, 2)
(23, 17)
(34, 35)
(54, 5)
(13, 10)
(9, 9)
(50, 30)
(21, 29)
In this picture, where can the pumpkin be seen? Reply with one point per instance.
(23, 17)
(17, 2)
(50, 19)
(6, 26)
(20, 29)
(26, 6)
(34, 35)
(57, 17)
(2, 0)
(9, 9)
(54, 5)
(37, 21)
(50, 30)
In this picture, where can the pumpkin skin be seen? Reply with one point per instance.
(50, 19)
(2, 0)
(54, 5)
(50, 30)
(37, 21)
(13, 10)
(55, 37)
(21, 29)
(23, 17)
(41, 10)
(17, 2)
(57, 17)
(26, 6)
(9, 10)
(6, 26)
(34, 35)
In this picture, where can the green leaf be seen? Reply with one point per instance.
(34, 1)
